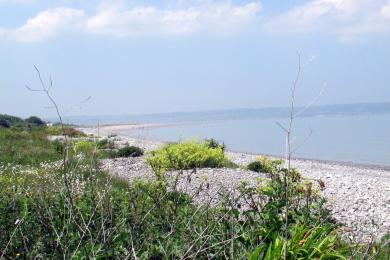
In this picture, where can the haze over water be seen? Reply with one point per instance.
(359, 138)
(147, 57)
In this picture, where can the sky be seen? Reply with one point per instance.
(138, 57)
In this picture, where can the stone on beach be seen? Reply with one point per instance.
(357, 195)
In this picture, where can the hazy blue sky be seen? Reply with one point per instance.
(182, 55)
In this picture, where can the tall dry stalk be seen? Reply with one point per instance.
(46, 91)
(289, 151)
(83, 226)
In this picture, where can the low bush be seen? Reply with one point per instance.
(103, 217)
(381, 249)
(26, 147)
(35, 121)
(11, 120)
(85, 147)
(378, 250)
(20, 126)
(129, 151)
(212, 143)
(265, 165)
(105, 144)
(186, 155)
(4, 123)
(49, 210)
(17, 123)
(69, 131)
(59, 146)
(319, 242)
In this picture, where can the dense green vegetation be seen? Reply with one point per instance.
(188, 155)
(68, 130)
(49, 210)
(35, 121)
(212, 143)
(265, 165)
(8, 121)
(129, 151)
(27, 147)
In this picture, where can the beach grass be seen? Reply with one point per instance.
(78, 210)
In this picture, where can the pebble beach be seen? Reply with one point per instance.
(357, 195)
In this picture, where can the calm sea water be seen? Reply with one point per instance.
(360, 139)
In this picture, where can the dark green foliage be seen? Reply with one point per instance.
(129, 151)
(4, 124)
(102, 144)
(256, 167)
(17, 123)
(11, 119)
(35, 121)
(106, 144)
(59, 147)
(212, 143)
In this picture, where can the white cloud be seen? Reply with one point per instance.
(342, 17)
(115, 19)
(2, 33)
(150, 20)
(379, 21)
(385, 11)
(46, 24)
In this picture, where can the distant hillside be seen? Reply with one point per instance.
(236, 114)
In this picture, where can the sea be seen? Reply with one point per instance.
(363, 139)
(357, 133)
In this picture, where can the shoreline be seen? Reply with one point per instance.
(116, 129)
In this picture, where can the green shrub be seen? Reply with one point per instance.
(4, 123)
(20, 126)
(212, 143)
(187, 155)
(26, 147)
(18, 123)
(59, 147)
(85, 147)
(35, 121)
(146, 219)
(69, 131)
(379, 250)
(45, 213)
(11, 119)
(320, 242)
(105, 144)
(129, 151)
(265, 165)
